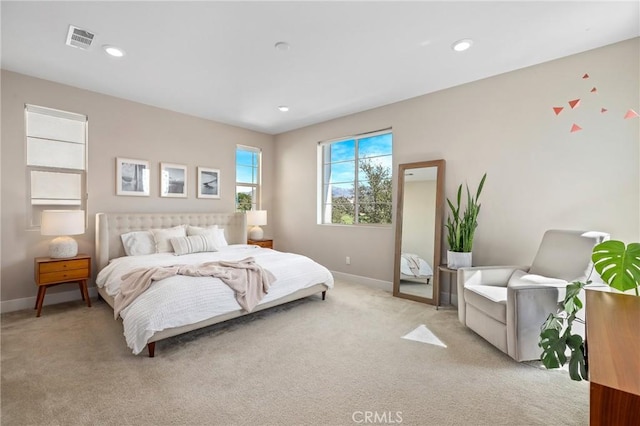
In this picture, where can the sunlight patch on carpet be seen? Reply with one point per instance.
(424, 335)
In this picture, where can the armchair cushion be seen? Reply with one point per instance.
(492, 300)
(521, 278)
(497, 276)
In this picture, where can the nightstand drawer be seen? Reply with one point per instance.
(65, 265)
(261, 243)
(52, 277)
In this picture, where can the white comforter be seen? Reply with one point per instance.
(182, 300)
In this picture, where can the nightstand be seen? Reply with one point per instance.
(50, 272)
(262, 243)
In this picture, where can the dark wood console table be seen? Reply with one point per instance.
(613, 344)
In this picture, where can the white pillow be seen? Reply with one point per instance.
(138, 243)
(216, 233)
(193, 244)
(162, 237)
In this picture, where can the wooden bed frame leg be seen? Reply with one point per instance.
(152, 349)
(324, 294)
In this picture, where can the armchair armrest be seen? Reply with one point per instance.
(528, 306)
(482, 275)
(488, 275)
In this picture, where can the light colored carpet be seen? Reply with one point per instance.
(311, 362)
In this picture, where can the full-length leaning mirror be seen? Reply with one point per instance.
(419, 231)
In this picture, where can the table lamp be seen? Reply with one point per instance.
(256, 218)
(62, 223)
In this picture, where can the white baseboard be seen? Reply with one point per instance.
(371, 282)
(49, 299)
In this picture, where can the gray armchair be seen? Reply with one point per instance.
(507, 305)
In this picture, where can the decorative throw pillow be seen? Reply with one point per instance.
(216, 233)
(162, 237)
(193, 244)
(138, 243)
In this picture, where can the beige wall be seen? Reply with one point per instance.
(540, 176)
(117, 128)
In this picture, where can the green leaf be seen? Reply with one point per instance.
(618, 267)
(481, 186)
(573, 289)
(577, 364)
(572, 303)
(553, 348)
(454, 210)
(553, 322)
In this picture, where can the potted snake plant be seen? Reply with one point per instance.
(619, 267)
(461, 227)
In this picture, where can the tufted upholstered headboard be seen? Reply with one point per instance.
(109, 227)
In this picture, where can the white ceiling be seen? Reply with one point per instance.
(217, 60)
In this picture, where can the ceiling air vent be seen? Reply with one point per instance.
(77, 37)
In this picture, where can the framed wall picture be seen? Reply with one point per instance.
(132, 177)
(208, 182)
(173, 180)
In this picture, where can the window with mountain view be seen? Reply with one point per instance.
(356, 179)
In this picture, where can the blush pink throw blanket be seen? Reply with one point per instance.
(247, 279)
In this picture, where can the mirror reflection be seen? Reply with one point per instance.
(418, 230)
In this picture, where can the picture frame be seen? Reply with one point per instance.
(208, 182)
(173, 180)
(132, 177)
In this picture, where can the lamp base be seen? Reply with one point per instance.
(256, 233)
(63, 247)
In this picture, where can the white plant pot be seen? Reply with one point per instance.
(456, 260)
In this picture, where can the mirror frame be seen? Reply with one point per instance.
(437, 243)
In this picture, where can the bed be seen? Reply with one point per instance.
(180, 304)
(415, 268)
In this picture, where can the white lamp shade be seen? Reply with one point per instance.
(256, 217)
(62, 222)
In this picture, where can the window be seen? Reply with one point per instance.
(56, 161)
(356, 179)
(248, 161)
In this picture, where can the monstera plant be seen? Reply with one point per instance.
(619, 267)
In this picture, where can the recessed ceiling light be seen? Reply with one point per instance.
(283, 108)
(282, 46)
(116, 52)
(462, 45)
